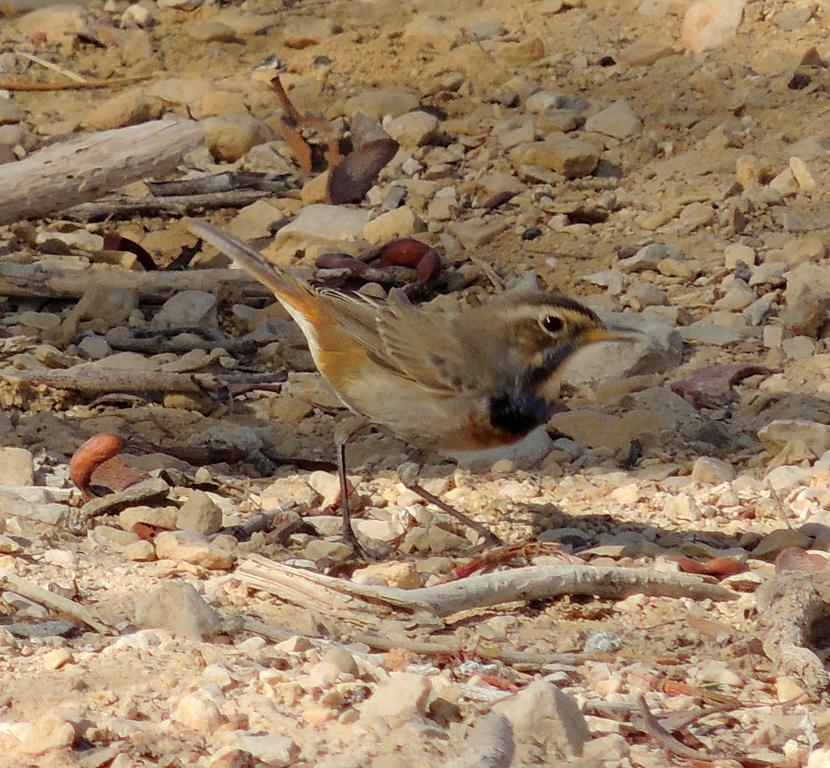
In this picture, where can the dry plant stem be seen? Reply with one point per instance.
(171, 205)
(95, 380)
(32, 281)
(58, 602)
(654, 729)
(788, 605)
(113, 82)
(517, 585)
(489, 536)
(87, 167)
(482, 650)
(220, 182)
(489, 745)
(49, 65)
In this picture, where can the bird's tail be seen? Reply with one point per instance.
(286, 288)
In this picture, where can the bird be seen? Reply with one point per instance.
(449, 381)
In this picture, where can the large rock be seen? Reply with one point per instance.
(229, 138)
(178, 607)
(321, 224)
(813, 434)
(544, 715)
(807, 278)
(398, 699)
(711, 23)
(125, 109)
(617, 121)
(193, 548)
(660, 349)
(572, 158)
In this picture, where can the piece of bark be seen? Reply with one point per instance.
(120, 206)
(788, 605)
(59, 603)
(517, 585)
(220, 182)
(33, 281)
(81, 378)
(87, 167)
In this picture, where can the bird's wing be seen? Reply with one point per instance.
(426, 347)
(418, 345)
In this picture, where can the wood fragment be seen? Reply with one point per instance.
(35, 281)
(516, 585)
(49, 65)
(82, 378)
(788, 605)
(59, 603)
(220, 182)
(122, 206)
(87, 85)
(653, 728)
(86, 167)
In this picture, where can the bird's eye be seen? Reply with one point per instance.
(553, 324)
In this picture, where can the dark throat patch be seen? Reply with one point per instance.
(519, 413)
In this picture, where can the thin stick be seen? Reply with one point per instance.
(483, 530)
(58, 602)
(539, 582)
(175, 205)
(83, 379)
(49, 65)
(653, 728)
(115, 82)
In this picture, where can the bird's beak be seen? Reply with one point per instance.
(592, 335)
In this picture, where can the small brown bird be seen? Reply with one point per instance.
(450, 381)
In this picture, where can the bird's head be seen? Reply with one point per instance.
(547, 328)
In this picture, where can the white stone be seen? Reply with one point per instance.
(321, 224)
(414, 129)
(815, 435)
(399, 699)
(16, 466)
(736, 252)
(711, 23)
(400, 222)
(804, 178)
(617, 121)
(707, 469)
(544, 714)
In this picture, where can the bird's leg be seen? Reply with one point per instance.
(410, 480)
(342, 435)
(345, 507)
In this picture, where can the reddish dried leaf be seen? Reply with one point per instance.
(147, 531)
(115, 242)
(89, 456)
(291, 112)
(352, 179)
(716, 566)
(502, 683)
(401, 252)
(341, 261)
(673, 688)
(115, 475)
(299, 146)
(796, 559)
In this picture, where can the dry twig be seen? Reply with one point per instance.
(61, 604)
(520, 584)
